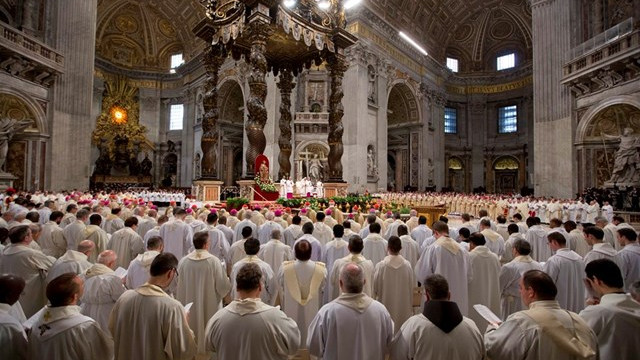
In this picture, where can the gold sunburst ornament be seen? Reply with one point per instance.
(118, 115)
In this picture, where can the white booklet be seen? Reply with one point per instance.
(487, 314)
(121, 272)
(188, 307)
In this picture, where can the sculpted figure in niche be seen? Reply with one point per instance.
(372, 169)
(626, 166)
(315, 168)
(372, 84)
(145, 166)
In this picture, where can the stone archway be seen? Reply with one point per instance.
(403, 141)
(304, 164)
(456, 179)
(505, 169)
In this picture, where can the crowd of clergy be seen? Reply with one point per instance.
(113, 277)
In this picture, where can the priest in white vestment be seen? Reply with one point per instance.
(60, 332)
(275, 252)
(236, 251)
(177, 235)
(31, 265)
(301, 284)
(202, 281)
(355, 257)
(615, 318)
(576, 240)
(375, 246)
(537, 237)
(510, 275)
(247, 217)
(147, 324)
(422, 231)
(155, 231)
(102, 288)
(13, 339)
(94, 232)
(270, 284)
(485, 287)
(74, 232)
(514, 235)
(440, 331)
(293, 231)
(393, 283)
(353, 326)
(410, 250)
(566, 269)
(73, 261)
(127, 243)
(265, 230)
(113, 222)
(599, 248)
(52, 239)
(226, 230)
(69, 215)
(247, 328)
(629, 256)
(544, 331)
(322, 231)
(138, 270)
(336, 248)
(316, 246)
(494, 241)
(147, 222)
(447, 258)
(218, 244)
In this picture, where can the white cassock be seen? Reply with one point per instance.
(274, 253)
(494, 241)
(67, 219)
(375, 248)
(267, 333)
(291, 234)
(151, 233)
(218, 244)
(508, 247)
(283, 188)
(113, 223)
(232, 221)
(198, 225)
(236, 253)
(510, 275)
(354, 326)
(237, 234)
(138, 270)
(301, 285)
(602, 251)
(145, 225)
(202, 281)
(102, 288)
(367, 268)
(72, 261)
(269, 281)
(99, 237)
(264, 232)
(421, 233)
(566, 268)
(32, 266)
(578, 243)
(592, 213)
(537, 237)
(629, 258)
(62, 333)
(446, 258)
(615, 321)
(127, 244)
(228, 233)
(13, 339)
(526, 335)
(74, 234)
(485, 287)
(334, 250)
(322, 232)
(451, 336)
(393, 284)
(52, 240)
(410, 250)
(611, 235)
(148, 324)
(392, 229)
(177, 236)
(316, 246)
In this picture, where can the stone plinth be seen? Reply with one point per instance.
(208, 190)
(6, 181)
(246, 188)
(335, 189)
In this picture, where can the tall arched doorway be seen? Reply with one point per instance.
(455, 174)
(403, 140)
(231, 122)
(505, 170)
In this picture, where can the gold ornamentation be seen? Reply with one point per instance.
(506, 163)
(15, 108)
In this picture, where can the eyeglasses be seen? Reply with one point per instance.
(176, 271)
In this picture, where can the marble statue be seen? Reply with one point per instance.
(372, 169)
(626, 166)
(315, 168)
(8, 128)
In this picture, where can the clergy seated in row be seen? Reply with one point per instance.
(394, 282)
(177, 235)
(13, 339)
(127, 243)
(447, 258)
(375, 246)
(301, 284)
(218, 244)
(138, 270)
(95, 233)
(102, 288)
(293, 231)
(31, 265)
(353, 326)
(74, 232)
(440, 331)
(52, 239)
(629, 256)
(566, 269)
(236, 251)
(510, 274)
(544, 331)
(266, 332)
(203, 281)
(275, 252)
(613, 315)
(354, 257)
(270, 285)
(72, 261)
(146, 323)
(316, 245)
(410, 250)
(599, 249)
(60, 331)
(485, 287)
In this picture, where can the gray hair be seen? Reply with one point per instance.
(276, 234)
(602, 219)
(82, 213)
(352, 278)
(269, 216)
(107, 256)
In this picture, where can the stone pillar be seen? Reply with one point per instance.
(598, 18)
(257, 94)
(72, 97)
(209, 143)
(554, 33)
(285, 85)
(337, 66)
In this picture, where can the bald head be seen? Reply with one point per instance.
(11, 287)
(352, 279)
(108, 258)
(86, 247)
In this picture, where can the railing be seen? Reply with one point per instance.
(609, 35)
(21, 43)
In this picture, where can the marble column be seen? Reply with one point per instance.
(285, 85)
(70, 149)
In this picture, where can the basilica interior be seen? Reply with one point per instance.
(464, 95)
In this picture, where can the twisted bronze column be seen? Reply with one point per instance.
(209, 143)
(285, 85)
(337, 66)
